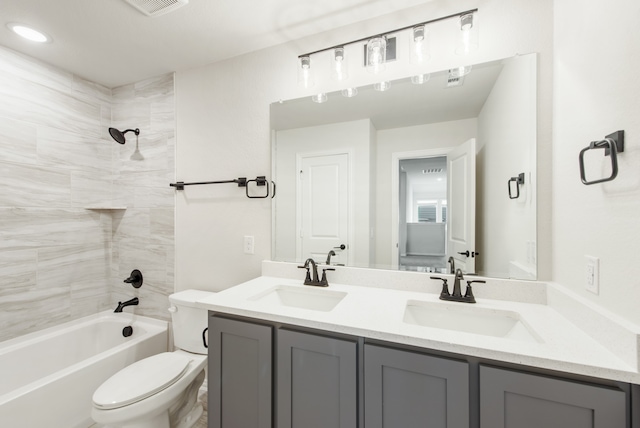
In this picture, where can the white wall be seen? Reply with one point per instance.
(223, 127)
(505, 228)
(596, 92)
(354, 137)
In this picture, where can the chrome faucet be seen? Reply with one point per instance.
(132, 302)
(457, 296)
(311, 264)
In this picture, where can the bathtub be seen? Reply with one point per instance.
(47, 378)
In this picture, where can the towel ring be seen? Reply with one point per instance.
(612, 145)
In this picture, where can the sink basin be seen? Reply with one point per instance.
(469, 319)
(300, 297)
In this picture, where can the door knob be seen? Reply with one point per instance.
(466, 253)
(341, 247)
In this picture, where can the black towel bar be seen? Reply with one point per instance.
(260, 180)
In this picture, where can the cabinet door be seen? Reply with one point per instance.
(405, 389)
(239, 374)
(511, 399)
(317, 381)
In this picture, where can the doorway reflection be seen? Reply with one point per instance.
(423, 214)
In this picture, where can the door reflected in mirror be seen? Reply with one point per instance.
(339, 169)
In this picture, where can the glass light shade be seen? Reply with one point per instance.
(382, 86)
(419, 45)
(339, 65)
(319, 98)
(419, 79)
(350, 92)
(460, 71)
(467, 41)
(305, 76)
(376, 54)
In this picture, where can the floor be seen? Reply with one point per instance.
(202, 422)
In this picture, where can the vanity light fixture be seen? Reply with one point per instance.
(377, 50)
(29, 33)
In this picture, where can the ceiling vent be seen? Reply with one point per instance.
(156, 7)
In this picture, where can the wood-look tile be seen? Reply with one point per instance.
(17, 271)
(18, 141)
(34, 186)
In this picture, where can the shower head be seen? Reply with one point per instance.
(119, 135)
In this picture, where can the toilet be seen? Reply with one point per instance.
(160, 391)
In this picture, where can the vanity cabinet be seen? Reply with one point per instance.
(264, 375)
(317, 381)
(522, 400)
(414, 390)
(240, 374)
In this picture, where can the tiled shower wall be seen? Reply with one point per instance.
(63, 256)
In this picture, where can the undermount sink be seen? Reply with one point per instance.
(300, 297)
(465, 318)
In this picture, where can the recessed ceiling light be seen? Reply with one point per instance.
(29, 33)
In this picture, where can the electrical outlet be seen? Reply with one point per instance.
(248, 245)
(592, 274)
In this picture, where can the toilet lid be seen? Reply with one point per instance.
(140, 380)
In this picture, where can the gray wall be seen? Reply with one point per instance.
(59, 260)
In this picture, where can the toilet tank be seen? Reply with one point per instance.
(188, 321)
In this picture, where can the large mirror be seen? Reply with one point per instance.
(418, 177)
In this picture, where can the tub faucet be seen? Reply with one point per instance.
(132, 302)
(452, 265)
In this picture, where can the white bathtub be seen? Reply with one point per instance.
(47, 378)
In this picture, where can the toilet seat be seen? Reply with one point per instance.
(140, 380)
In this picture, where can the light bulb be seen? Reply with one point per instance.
(350, 92)
(419, 45)
(305, 76)
(376, 54)
(419, 79)
(382, 86)
(468, 34)
(319, 98)
(339, 69)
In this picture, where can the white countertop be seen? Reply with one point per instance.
(377, 313)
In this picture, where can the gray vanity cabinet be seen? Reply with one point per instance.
(510, 399)
(240, 374)
(410, 390)
(317, 381)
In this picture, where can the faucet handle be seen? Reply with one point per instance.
(323, 281)
(307, 279)
(468, 294)
(445, 286)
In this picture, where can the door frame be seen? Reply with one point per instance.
(396, 157)
(350, 207)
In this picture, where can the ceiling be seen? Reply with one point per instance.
(112, 43)
(404, 105)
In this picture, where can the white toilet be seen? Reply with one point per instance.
(161, 391)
